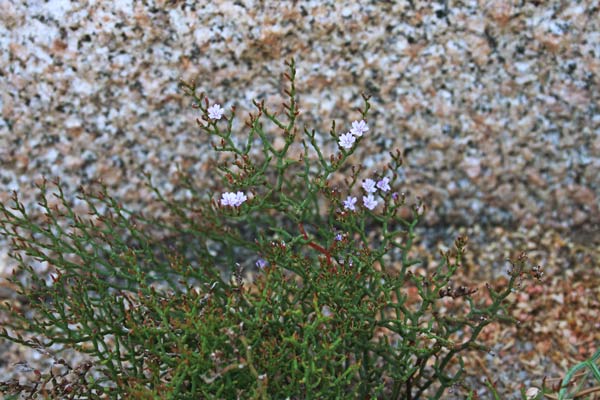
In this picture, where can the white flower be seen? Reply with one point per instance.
(240, 198)
(347, 140)
(349, 203)
(369, 202)
(227, 199)
(384, 184)
(233, 199)
(215, 111)
(369, 186)
(359, 127)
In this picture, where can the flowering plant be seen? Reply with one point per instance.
(340, 306)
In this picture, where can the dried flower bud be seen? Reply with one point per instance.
(532, 393)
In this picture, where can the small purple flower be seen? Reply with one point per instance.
(369, 186)
(261, 263)
(215, 111)
(358, 128)
(233, 199)
(384, 184)
(339, 237)
(240, 198)
(227, 199)
(395, 195)
(369, 202)
(326, 311)
(347, 140)
(349, 203)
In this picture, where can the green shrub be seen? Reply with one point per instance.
(338, 308)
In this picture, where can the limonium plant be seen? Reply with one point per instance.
(338, 304)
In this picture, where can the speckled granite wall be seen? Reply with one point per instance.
(496, 103)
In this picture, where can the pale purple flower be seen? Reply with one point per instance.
(395, 195)
(347, 140)
(227, 199)
(326, 311)
(240, 198)
(233, 199)
(349, 203)
(339, 237)
(359, 127)
(261, 263)
(369, 202)
(215, 111)
(369, 185)
(383, 184)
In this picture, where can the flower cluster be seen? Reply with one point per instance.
(233, 199)
(358, 129)
(370, 187)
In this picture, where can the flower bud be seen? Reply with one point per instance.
(531, 393)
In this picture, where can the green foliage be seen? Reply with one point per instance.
(572, 385)
(340, 311)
